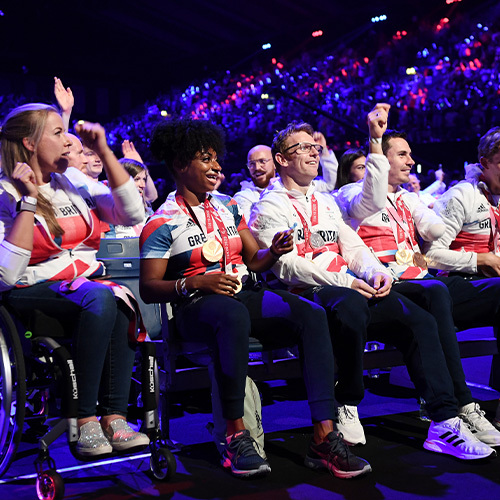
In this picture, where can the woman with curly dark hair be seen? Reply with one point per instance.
(196, 252)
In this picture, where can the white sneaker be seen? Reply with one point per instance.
(350, 426)
(453, 437)
(479, 425)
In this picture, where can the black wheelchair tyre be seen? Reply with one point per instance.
(50, 485)
(12, 390)
(163, 464)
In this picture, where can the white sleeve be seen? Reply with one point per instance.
(429, 225)
(451, 208)
(329, 164)
(435, 188)
(122, 205)
(244, 203)
(13, 259)
(358, 256)
(363, 199)
(269, 217)
(13, 263)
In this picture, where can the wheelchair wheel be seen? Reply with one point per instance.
(163, 464)
(12, 390)
(50, 485)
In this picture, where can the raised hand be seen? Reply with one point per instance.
(93, 136)
(64, 96)
(319, 138)
(24, 179)
(377, 120)
(129, 151)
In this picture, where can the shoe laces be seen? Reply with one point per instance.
(476, 418)
(337, 447)
(347, 413)
(242, 445)
(463, 429)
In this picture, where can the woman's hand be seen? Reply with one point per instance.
(220, 283)
(129, 151)
(282, 243)
(64, 96)
(93, 136)
(24, 180)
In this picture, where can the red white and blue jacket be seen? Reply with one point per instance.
(80, 205)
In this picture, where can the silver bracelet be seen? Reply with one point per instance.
(184, 290)
(376, 140)
(176, 286)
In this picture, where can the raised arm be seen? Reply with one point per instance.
(65, 100)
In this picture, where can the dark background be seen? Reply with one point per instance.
(115, 55)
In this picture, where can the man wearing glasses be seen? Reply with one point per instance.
(262, 171)
(332, 266)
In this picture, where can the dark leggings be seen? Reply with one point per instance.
(103, 356)
(277, 319)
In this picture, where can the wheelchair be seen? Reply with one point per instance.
(37, 381)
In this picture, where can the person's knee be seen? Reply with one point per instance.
(352, 307)
(99, 299)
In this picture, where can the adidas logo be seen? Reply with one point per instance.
(190, 223)
(481, 208)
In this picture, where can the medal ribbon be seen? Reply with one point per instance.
(210, 215)
(495, 222)
(305, 225)
(402, 232)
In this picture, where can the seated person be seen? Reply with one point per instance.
(351, 167)
(390, 220)
(469, 247)
(139, 173)
(331, 266)
(49, 234)
(262, 171)
(196, 252)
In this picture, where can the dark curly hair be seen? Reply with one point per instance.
(177, 141)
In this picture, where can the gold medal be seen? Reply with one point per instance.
(212, 251)
(420, 260)
(404, 257)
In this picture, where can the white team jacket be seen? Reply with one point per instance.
(275, 212)
(364, 205)
(465, 211)
(123, 205)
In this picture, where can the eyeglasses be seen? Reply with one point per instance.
(252, 165)
(305, 147)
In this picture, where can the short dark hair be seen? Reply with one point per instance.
(345, 163)
(391, 134)
(177, 141)
(280, 138)
(489, 144)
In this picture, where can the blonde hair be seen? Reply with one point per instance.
(27, 121)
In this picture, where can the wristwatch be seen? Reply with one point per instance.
(27, 204)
